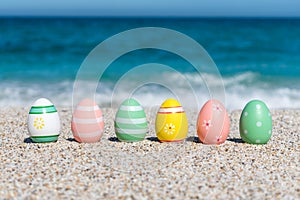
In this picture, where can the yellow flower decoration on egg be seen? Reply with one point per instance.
(169, 128)
(39, 123)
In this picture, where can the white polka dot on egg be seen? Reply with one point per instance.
(258, 124)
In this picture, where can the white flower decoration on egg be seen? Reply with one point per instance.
(169, 128)
(217, 107)
(207, 124)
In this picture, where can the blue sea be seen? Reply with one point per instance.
(255, 58)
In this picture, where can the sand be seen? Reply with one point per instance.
(148, 169)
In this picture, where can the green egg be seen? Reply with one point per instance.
(256, 123)
(130, 123)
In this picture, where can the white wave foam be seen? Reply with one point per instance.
(239, 89)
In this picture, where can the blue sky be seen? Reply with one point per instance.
(246, 8)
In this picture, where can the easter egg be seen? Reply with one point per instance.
(213, 123)
(171, 123)
(43, 121)
(87, 122)
(256, 123)
(130, 123)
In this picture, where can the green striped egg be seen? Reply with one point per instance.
(43, 121)
(130, 123)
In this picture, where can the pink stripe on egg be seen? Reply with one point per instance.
(87, 139)
(87, 102)
(86, 128)
(87, 114)
(89, 135)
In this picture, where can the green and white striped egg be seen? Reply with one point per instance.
(130, 123)
(43, 121)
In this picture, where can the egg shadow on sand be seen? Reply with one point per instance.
(189, 139)
(71, 140)
(28, 140)
(235, 140)
(153, 139)
(193, 139)
(113, 139)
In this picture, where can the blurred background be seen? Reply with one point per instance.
(255, 45)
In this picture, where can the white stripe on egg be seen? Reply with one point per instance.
(131, 120)
(131, 108)
(87, 121)
(87, 108)
(171, 110)
(132, 131)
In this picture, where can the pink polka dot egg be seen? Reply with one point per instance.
(213, 123)
(87, 122)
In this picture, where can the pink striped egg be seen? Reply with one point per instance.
(87, 122)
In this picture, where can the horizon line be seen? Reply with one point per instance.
(149, 16)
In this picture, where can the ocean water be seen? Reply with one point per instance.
(256, 58)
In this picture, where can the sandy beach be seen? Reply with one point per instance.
(148, 169)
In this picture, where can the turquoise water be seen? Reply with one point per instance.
(257, 58)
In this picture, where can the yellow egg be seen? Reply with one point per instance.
(171, 123)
